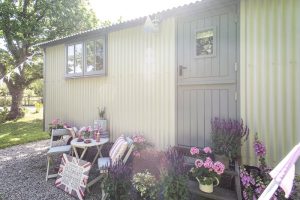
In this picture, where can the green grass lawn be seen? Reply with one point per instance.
(27, 129)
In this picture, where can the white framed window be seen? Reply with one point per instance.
(86, 58)
(74, 65)
(95, 56)
(205, 40)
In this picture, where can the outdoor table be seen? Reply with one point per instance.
(75, 144)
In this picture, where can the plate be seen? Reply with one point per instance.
(87, 141)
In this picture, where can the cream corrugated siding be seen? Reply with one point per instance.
(270, 70)
(138, 92)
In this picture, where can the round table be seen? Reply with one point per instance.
(75, 144)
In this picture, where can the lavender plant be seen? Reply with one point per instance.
(118, 182)
(227, 135)
(174, 176)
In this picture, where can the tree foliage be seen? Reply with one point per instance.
(25, 23)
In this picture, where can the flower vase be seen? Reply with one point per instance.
(86, 136)
(207, 188)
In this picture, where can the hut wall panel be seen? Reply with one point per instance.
(138, 91)
(270, 69)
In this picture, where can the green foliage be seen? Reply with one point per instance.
(5, 101)
(175, 187)
(37, 87)
(174, 176)
(118, 182)
(25, 23)
(3, 114)
(3, 91)
(146, 184)
(38, 107)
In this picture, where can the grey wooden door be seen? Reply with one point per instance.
(207, 73)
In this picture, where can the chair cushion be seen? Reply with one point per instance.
(59, 149)
(103, 163)
(115, 145)
(72, 131)
(118, 149)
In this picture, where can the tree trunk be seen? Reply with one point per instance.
(16, 103)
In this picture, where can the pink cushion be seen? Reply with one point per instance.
(118, 149)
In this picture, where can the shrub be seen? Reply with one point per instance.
(3, 115)
(174, 176)
(5, 101)
(146, 185)
(118, 182)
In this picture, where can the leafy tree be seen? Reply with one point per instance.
(37, 87)
(25, 23)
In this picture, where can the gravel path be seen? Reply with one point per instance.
(23, 172)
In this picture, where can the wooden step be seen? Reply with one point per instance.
(218, 194)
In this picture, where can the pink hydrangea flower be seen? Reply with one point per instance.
(207, 150)
(138, 139)
(208, 163)
(194, 150)
(89, 129)
(137, 154)
(198, 163)
(219, 167)
(55, 121)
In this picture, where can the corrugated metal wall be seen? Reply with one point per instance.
(138, 92)
(270, 69)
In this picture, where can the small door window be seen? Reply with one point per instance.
(205, 42)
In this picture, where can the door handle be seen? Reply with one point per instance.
(181, 68)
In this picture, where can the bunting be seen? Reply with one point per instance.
(17, 69)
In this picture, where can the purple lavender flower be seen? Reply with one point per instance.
(260, 149)
(245, 195)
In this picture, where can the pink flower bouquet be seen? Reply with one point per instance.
(206, 170)
(140, 144)
(86, 131)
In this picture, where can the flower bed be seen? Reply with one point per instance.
(255, 179)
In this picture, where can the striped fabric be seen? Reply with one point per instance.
(118, 149)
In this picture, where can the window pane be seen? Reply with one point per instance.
(78, 58)
(70, 62)
(90, 56)
(99, 54)
(204, 42)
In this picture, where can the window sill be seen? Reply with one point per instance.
(75, 76)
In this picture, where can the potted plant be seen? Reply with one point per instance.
(58, 127)
(140, 144)
(146, 185)
(101, 123)
(206, 172)
(255, 179)
(227, 135)
(87, 132)
(174, 178)
(117, 184)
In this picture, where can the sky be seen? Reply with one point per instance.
(112, 10)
